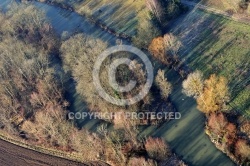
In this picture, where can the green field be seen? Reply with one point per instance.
(122, 16)
(224, 5)
(214, 44)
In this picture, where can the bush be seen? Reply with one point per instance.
(242, 149)
(245, 128)
(165, 49)
(141, 162)
(243, 4)
(157, 148)
(217, 123)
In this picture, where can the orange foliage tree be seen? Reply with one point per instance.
(158, 50)
(215, 95)
(165, 49)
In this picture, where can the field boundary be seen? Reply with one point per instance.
(90, 18)
(48, 151)
(217, 12)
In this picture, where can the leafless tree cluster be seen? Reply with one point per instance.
(26, 80)
(28, 84)
(32, 99)
(27, 23)
(79, 54)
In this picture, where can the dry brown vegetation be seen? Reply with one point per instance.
(245, 128)
(157, 148)
(228, 138)
(27, 81)
(243, 150)
(141, 162)
(32, 95)
(79, 54)
(158, 50)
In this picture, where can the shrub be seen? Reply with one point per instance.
(243, 4)
(242, 149)
(165, 10)
(157, 148)
(156, 8)
(140, 162)
(217, 123)
(172, 44)
(245, 128)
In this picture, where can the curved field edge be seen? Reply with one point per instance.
(48, 151)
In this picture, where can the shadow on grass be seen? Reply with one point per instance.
(214, 44)
(199, 32)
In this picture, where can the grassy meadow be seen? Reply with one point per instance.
(214, 44)
(222, 4)
(122, 16)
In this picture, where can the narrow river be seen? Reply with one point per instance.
(185, 136)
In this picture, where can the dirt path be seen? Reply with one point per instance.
(235, 17)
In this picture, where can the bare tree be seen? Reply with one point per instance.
(172, 44)
(155, 8)
(193, 85)
(162, 83)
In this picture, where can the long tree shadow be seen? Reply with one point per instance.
(199, 32)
